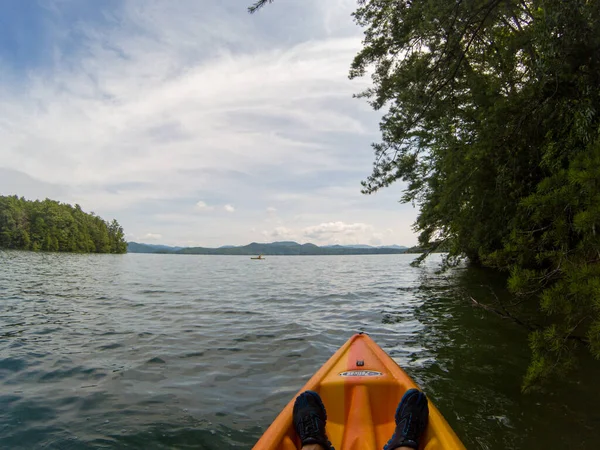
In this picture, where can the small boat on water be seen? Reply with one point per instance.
(257, 257)
(360, 386)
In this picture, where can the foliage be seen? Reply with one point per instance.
(51, 226)
(258, 5)
(490, 117)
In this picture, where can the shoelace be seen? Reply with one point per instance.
(407, 426)
(310, 425)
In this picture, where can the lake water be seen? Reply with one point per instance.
(202, 352)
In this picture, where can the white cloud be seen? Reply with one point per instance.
(152, 236)
(337, 230)
(376, 239)
(333, 233)
(160, 112)
(202, 206)
(282, 233)
(229, 208)
(176, 101)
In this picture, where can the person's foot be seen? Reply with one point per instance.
(412, 416)
(309, 420)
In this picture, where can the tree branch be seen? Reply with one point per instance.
(258, 5)
(504, 314)
(429, 251)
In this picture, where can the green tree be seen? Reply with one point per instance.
(116, 237)
(490, 117)
(52, 226)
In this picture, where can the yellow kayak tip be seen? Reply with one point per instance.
(360, 386)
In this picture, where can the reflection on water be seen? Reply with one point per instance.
(164, 351)
(478, 363)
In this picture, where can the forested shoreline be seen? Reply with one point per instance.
(52, 226)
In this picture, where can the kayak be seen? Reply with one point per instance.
(360, 386)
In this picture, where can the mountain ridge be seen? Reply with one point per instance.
(269, 249)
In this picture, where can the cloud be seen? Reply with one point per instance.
(337, 230)
(281, 233)
(332, 233)
(146, 107)
(15, 182)
(152, 237)
(202, 206)
(376, 239)
(143, 89)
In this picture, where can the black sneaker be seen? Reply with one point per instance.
(309, 420)
(412, 416)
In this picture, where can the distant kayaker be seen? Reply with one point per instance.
(310, 417)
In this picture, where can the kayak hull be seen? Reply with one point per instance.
(360, 386)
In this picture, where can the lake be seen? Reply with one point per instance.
(144, 351)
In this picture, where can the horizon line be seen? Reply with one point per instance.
(268, 243)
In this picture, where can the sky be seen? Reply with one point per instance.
(194, 123)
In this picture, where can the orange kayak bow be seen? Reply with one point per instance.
(361, 387)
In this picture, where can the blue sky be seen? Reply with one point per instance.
(192, 122)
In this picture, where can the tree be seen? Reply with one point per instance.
(117, 237)
(490, 117)
(51, 226)
(491, 120)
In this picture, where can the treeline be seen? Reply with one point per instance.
(56, 227)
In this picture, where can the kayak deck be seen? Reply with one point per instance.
(360, 386)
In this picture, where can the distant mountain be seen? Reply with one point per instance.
(274, 248)
(134, 247)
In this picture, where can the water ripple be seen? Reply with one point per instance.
(161, 351)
